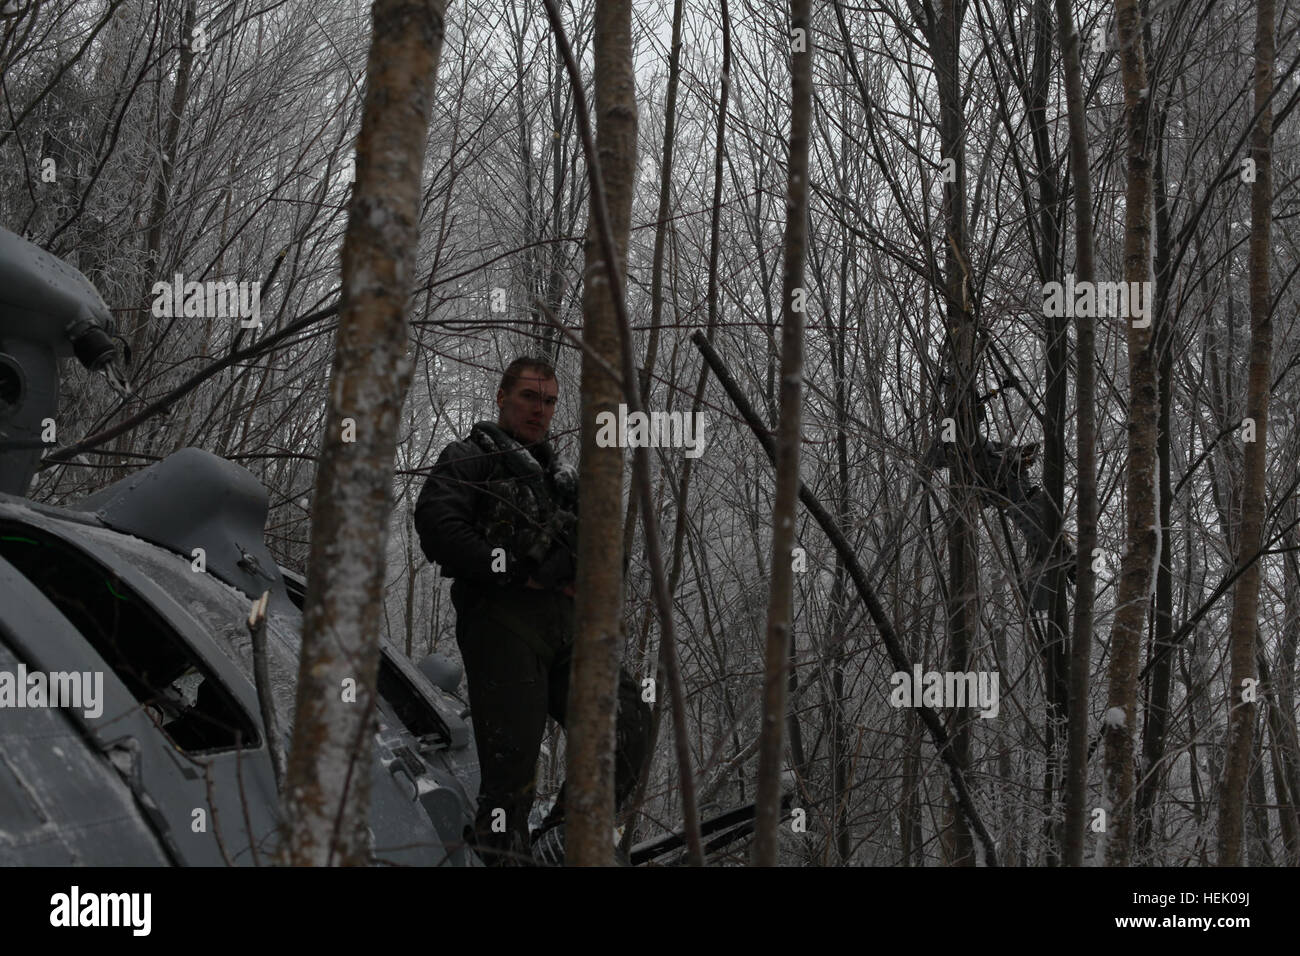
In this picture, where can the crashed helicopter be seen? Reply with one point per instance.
(135, 600)
(132, 731)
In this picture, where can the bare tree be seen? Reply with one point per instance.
(599, 612)
(771, 749)
(943, 27)
(1076, 782)
(328, 786)
(1245, 596)
(1142, 536)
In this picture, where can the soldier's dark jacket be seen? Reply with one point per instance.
(487, 492)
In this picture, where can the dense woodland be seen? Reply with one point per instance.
(855, 210)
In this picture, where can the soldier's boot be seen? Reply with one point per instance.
(548, 846)
(501, 830)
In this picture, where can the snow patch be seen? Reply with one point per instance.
(1113, 718)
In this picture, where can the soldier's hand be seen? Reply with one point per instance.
(568, 591)
(531, 583)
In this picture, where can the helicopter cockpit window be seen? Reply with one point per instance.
(409, 706)
(173, 685)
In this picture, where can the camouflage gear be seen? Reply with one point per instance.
(516, 640)
(489, 494)
(533, 509)
(1002, 480)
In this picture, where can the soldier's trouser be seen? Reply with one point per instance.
(518, 650)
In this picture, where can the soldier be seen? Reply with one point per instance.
(499, 514)
(1001, 476)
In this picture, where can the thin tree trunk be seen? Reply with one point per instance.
(1142, 534)
(1281, 734)
(767, 812)
(593, 689)
(1161, 678)
(1260, 850)
(1076, 778)
(412, 566)
(162, 185)
(1055, 655)
(963, 528)
(665, 194)
(525, 154)
(661, 235)
(656, 310)
(1286, 741)
(1245, 595)
(328, 787)
(180, 93)
(555, 282)
(840, 770)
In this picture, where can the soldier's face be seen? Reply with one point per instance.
(526, 410)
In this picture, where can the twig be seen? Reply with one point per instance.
(578, 343)
(262, 680)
